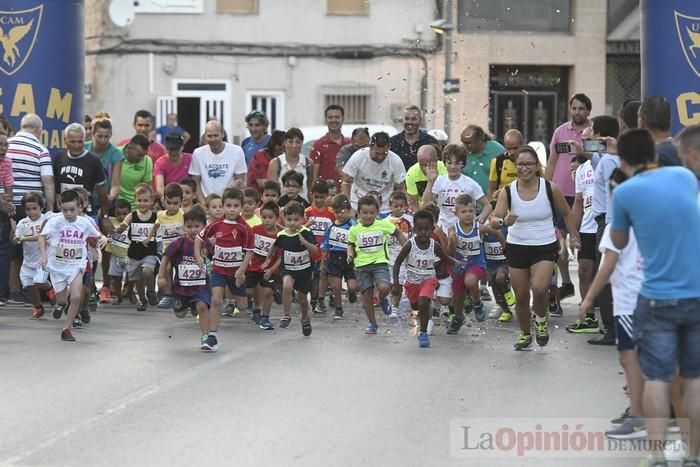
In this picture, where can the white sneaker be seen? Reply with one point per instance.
(495, 314)
(431, 326)
(394, 312)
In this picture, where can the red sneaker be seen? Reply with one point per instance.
(104, 295)
(67, 336)
(37, 312)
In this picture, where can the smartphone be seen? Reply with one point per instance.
(562, 148)
(593, 145)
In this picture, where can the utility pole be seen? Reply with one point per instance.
(447, 110)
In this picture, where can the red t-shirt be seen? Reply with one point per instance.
(230, 240)
(262, 242)
(257, 168)
(172, 173)
(324, 152)
(318, 221)
(155, 149)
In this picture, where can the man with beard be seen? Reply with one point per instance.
(325, 150)
(406, 143)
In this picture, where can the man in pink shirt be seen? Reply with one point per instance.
(559, 170)
(175, 166)
(143, 125)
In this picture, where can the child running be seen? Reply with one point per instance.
(398, 204)
(319, 218)
(421, 253)
(190, 288)
(260, 281)
(298, 245)
(62, 246)
(251, 199)
(464, 242)
(118, 247)
(27, 234)
(189, 193)
(232, 243)
(335, 245)
(497, 270)
(213, 207)
(367, 247)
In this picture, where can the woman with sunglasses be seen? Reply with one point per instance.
(528, 207)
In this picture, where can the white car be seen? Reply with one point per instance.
(313, 133)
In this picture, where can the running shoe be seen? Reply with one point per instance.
(92, 303)
(51, 295)
(77, 323)
(265, 323)
(338, 313)
(152, 297)
(386, 308)
(495, 314)
(85, 316)
(431, 327)
(3, 301)
(455, 324)
(485, 294)
(541, 333)
(371, 329)
(479, 312)
(523, 342)
(320, 307)
(141, 306)
(631, 428)
(15, 298)
(67, 336)
(566, 290)
(284, 321)
(621, 419)
(352, 297)
(505, 317)
(58, 311)
(166, 302)
(394, 313)
(210, 344)
(37, 312)
(588, 325)
(306, 328)
(423, 339)
(257, 315)
(555, 309)
(104, 295)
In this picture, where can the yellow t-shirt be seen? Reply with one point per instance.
(171, 227)
(119, 242)
(253, 221)
(508, 174)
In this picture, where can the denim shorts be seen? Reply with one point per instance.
(371, 275)
(667, 333)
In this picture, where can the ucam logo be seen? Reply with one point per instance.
(18, 33)
(688, 103)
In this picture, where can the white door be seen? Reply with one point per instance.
(214, 99)
(164, 105)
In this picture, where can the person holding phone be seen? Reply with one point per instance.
(558, 171)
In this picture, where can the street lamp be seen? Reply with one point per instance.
(445, 27)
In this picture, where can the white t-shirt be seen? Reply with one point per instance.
(626, 280)
(446, 192)
(370, 176)
(217, 170)
(584, 185)
(66, 242)
(28, 228)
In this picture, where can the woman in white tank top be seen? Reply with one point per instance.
(292, 159)
(531, 246)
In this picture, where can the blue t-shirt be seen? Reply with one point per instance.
(336, 236)
(662, 207)
(250, 146)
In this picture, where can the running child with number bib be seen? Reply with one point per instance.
(261, 281)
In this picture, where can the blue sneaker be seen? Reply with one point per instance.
(371, 329)
(479, 312)
(423, 340)
(386, 308)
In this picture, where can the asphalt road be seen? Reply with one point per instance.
(135, 390)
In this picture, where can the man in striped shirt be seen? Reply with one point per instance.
(31, 163)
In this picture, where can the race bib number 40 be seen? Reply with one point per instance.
(189, 275)
(140, 231)
(228, 257)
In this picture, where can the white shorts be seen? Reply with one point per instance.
(26, 274)
(60, 280)
(445, 288)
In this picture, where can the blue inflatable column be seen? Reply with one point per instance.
(42, 63)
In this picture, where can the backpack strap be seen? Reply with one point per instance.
(508, 195)
(499, 168)
(550, 197)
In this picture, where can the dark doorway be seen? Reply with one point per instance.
(188, 118)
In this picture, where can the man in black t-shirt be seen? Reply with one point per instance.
(75, 167)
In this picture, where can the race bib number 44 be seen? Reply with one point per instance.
(228, 257)
(296, 260)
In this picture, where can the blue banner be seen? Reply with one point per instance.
(670, 43)
(42, 64)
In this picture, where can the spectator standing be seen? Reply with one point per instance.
(143, 125)
(137, 168)
(502, 169)
(359, 140)
(406, 143)
(110, 157)
(292, 159)
(175, 166)
(260, 163)
(655, 116)
(257, 124)
(482, 149)
(416, 178)
(324, 151)
(171, 126)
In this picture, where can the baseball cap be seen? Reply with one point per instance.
(174, 140)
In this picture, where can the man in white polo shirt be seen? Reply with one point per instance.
(217, 165)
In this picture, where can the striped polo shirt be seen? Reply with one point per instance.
(30, 162)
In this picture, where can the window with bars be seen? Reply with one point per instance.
(356, 106)
(347, 7)
(249, 7)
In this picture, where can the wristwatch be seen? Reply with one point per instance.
(105, 216)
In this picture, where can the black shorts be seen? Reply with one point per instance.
(559, 221)
(587, 250)
(524, 256)
(257, 278)
(337, 266)
(302, 279)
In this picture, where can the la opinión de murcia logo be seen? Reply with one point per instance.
(18, 34)
(688, 28)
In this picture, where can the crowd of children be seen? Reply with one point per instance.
(257, 245)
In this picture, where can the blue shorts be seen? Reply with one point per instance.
(181, 302)
(219, 280)
(624, 332)
(667, 334)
